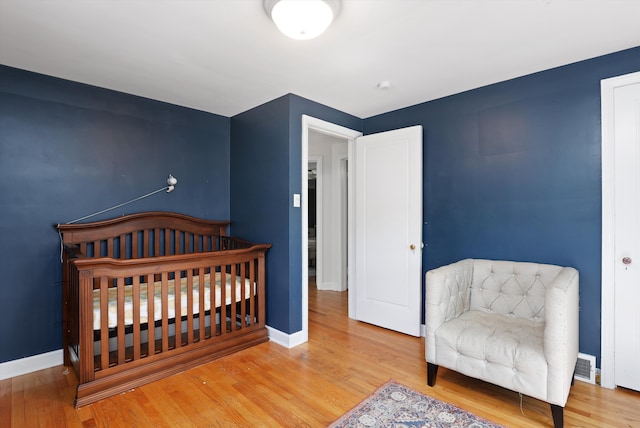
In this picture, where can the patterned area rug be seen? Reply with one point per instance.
(395, 405)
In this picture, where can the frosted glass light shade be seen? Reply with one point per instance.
(301, 19)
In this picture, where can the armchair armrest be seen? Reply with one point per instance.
(447, 296)
(561, 305)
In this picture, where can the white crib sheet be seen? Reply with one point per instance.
(171, 301)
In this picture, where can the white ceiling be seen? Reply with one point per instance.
(226, 56)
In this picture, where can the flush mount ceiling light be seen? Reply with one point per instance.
(302, 19)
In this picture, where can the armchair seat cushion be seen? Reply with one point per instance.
(500, 349)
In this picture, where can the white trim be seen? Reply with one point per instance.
(287, 340)
(31, 364)
(351, 240)
(350, 135)
(339, 214)
(607, 351)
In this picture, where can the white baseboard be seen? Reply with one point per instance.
(330, 286)
(30, 364)
(285, 339)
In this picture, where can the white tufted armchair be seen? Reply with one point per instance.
(512, 324)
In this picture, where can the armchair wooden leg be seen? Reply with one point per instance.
(432, 371)
(558, 415)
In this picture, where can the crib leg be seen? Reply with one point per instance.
(432, 371)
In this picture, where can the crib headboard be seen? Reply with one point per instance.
(147, 234)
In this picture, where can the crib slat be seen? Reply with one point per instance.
(252, 293)
(212, 300)
(83, 248)
(97, 249)
(167, 241)
(223, 299)
(189, 306)
(110, 247)
(201, 306)
(156, 242)
(151, 334)
(120, 329)
(243, 303)
(234, 298)
(165, 312)
(123, 246)
(104, 323)
(136, 317)
(178, 294)
(145, 243)
(134, 245)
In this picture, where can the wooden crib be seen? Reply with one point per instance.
(152, 294)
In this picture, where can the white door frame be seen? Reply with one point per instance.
(350, 135)
(341, 194)
(607, 332)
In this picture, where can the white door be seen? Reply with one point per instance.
(388, 229)
(627, 236)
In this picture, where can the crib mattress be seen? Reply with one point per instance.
(171, 301)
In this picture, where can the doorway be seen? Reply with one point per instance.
(317, 128)
(313, 185)
(327, 222)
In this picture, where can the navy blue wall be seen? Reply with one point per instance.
(513, 171)
(265, 173)
(260, 195)
(67, 150)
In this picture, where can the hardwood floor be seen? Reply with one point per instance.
(308, 386)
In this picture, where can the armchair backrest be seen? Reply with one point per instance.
(511, 288)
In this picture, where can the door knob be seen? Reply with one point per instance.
(627, 260)
(412, 246)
